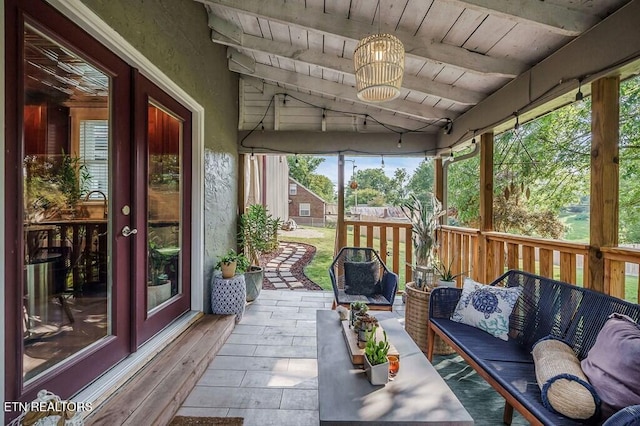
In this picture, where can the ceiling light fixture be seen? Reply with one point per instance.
(379, 65)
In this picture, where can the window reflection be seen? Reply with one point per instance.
(66, 281)
(164, 189)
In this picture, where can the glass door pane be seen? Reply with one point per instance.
(67, 295)
(164, 230)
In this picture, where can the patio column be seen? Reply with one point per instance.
(603, 223)
(485, 266)
(341, 234)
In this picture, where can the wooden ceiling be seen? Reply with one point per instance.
(473, 63)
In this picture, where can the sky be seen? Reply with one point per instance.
(329, 167)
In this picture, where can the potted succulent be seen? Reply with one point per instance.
(232, 262)
(258, 235)
(355, 310)
(376, 364)
(364, 324)
(447, 277)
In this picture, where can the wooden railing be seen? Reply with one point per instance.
(616, 278)
(388, 238)
(484, 256)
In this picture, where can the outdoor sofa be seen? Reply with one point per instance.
(544, 308)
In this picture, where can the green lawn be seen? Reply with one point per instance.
(578, 229)
(318, 269)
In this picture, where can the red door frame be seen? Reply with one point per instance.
(148, 325)
(72, 376)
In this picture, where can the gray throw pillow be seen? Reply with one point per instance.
(612, 364)
(361, 278)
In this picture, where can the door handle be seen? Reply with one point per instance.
(126, 231)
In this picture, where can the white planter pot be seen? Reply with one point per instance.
(377, 374)
(442, 283)
(157, 294)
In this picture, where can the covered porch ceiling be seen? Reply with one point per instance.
(473, 65)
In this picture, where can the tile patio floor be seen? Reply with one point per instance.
(266, 372)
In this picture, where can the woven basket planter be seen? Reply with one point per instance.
(416, 320)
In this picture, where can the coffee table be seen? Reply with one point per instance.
(417, 395)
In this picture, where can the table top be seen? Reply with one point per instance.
(417, 395)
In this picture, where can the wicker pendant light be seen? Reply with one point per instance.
(379, 65)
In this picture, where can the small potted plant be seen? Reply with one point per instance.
(365, 323)
(232, 262)
(447, 277)
(356, 309)
(258, 236)
(376, 364)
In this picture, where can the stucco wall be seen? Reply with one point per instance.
(174, 35)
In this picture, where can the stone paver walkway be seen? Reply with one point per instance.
(267, 370)
(278, 270)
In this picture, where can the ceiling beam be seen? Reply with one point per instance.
(319, 143)
(337, 90)
(601, 51)
(553, 17)
(420, 48)
(377, 116)
(334, 63)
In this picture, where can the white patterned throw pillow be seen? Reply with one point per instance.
(486, 307)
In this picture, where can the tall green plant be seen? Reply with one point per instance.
(424, 218)
(258, 232)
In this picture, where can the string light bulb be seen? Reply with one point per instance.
(296, 159)
(516, 126)
(473, 140)
(262, 126)
(400, 141)
(579, 95)
(252, 157)
(365, 120)
(451, 154)
(382, 163)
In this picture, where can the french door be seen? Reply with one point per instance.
(163, 250)
(97, 205)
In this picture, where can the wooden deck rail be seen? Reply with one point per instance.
(563, 260)
(385, 237)
(615, 275)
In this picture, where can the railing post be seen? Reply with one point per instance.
(603, 222)
(486, 204)
(341, 230)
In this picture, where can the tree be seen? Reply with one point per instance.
(398, 189)
(303, 167)
(372, 184)
(421, 182)
(323, 187)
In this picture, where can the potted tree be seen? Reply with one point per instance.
(258, 236)
(425, 218)
(376, 364)
(232, 262)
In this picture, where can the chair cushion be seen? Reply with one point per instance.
(486, 307)
(612, 364)
(565, 388)
(362, 278)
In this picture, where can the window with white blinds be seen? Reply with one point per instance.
(94, 152)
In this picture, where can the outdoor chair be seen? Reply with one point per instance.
(359, 275)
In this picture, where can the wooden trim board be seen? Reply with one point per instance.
(356, 353)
